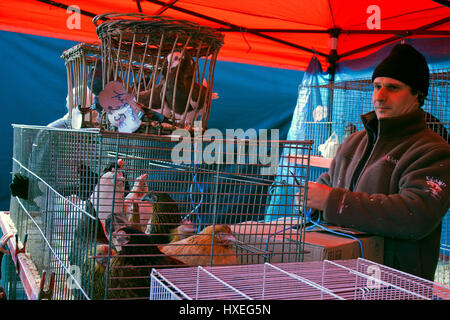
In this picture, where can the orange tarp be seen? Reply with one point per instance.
(265, 32)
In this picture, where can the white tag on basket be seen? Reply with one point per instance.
(328, 148)
(125, 119)
(77, 118)
(121, 107)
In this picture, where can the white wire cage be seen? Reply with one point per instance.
(355, 279)
(71, 222)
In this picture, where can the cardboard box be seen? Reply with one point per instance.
(275, 242)
(328, 246)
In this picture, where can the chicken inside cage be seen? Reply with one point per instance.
(102, 209)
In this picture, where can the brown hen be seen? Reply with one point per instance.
(196, 250)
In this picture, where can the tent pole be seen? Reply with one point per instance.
(164, 7)
(332, 60)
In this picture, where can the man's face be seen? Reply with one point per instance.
(392, 98)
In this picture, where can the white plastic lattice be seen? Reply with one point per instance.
(356, 279)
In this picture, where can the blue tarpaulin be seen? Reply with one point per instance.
(310, 99)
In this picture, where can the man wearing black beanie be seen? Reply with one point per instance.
(407, 65)
(392, 179)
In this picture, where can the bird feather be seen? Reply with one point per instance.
(204, 249)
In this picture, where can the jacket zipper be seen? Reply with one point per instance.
(367, 161)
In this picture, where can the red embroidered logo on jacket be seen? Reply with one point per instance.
(390, 159)
(435, 186)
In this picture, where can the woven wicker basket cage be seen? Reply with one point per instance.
(167, 65)
(81, 62)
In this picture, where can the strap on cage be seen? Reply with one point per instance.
(195, 205)
(3, 242)
(20, 250)
(46, 293)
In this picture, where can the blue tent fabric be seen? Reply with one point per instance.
(33, 90)
(435, 51)
(253, 97)
(309, 99)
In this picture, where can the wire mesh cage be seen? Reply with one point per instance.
(181, 56)
(82, 61)
(355, 279)
(103, 208)
(345, 101)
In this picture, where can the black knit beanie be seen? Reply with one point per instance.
(407, 65)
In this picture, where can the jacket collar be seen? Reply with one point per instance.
(397, 126)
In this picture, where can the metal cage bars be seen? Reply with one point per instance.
(237, 194)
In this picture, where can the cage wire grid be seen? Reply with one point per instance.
(355, 279)
(50, 215)
(62, 214)
(345, 101)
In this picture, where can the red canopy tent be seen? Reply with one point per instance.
(285, 33)
(264, 32)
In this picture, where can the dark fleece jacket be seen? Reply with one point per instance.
(402, 191)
